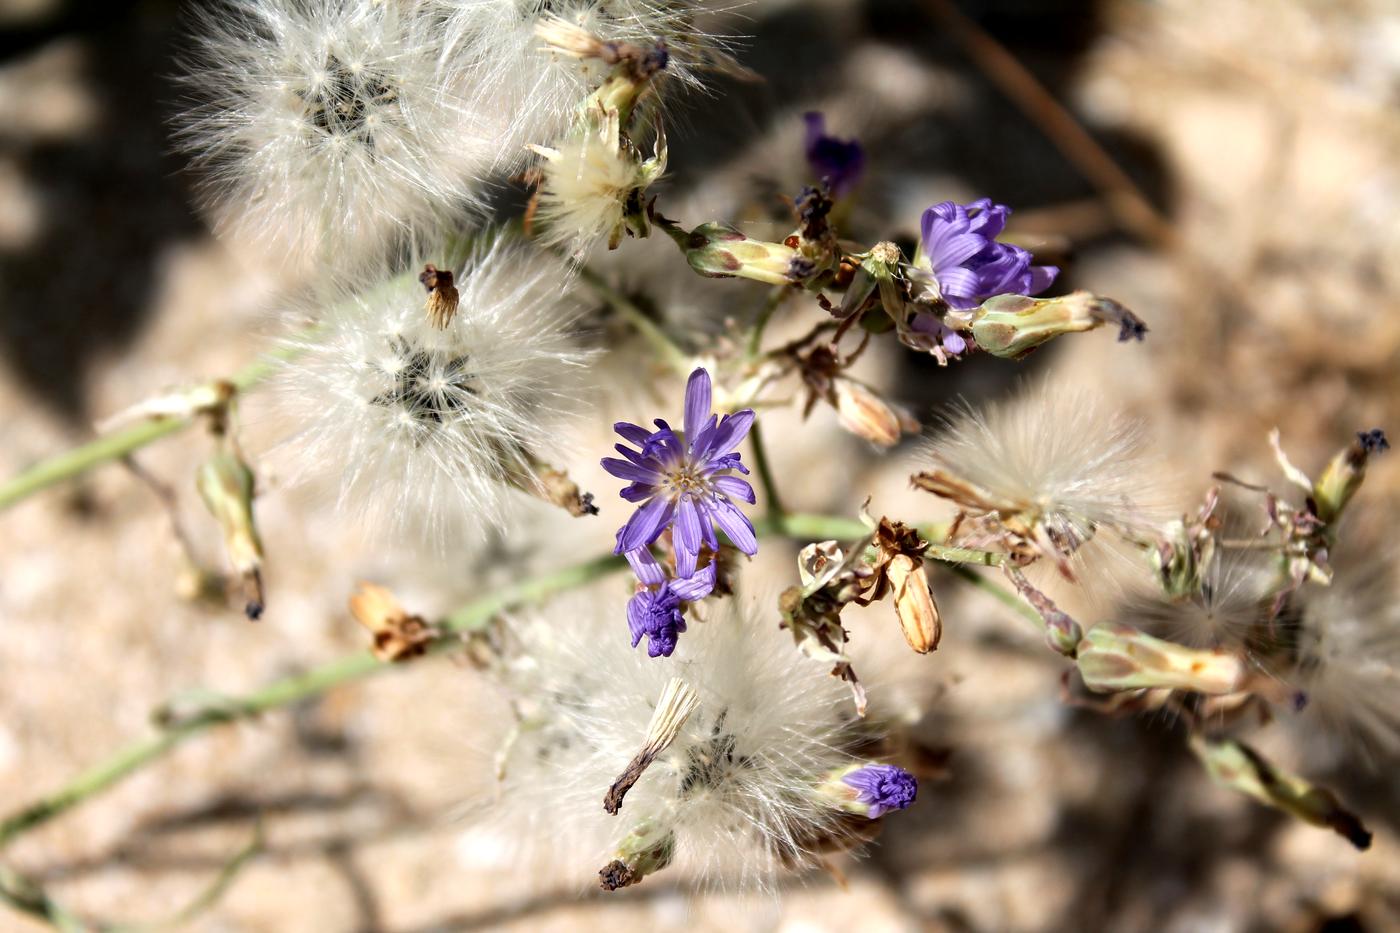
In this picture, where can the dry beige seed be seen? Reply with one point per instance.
(914, 604)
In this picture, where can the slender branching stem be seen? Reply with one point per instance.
(118, 444)
(282, 692)
(765, 473)
(473, 616)
(775, 298)
(675, 358)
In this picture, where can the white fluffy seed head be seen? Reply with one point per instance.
(586, 185)
(537, 92)
(1057, 456)
(738, 786)
(1347, 659)
(1237, 588)
(326, 129)
(424, 427)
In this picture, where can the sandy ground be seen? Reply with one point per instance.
(1266, 132)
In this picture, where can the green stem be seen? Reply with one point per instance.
(283, 692)
(1000, 594)
(675, 358)
(344, 670)
(114, 446)
(765, 473)
(775, 298)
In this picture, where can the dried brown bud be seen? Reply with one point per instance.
(397, 635)
(442, 295)
(865, 414)
(913, 603)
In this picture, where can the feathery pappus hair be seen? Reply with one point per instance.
(328, 129)
(1053, 465)
(425, 426)
(737, 791)
(535, 91)
(1236, 589)
(1346, 658)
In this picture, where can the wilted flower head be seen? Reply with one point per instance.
(1051, 467)
(959, 249)
(329, 127)
(736, 792)
(594, 185)
(685, 481)
(838, 162)
(428, 425)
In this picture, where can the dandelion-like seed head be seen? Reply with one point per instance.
(429, 426)
(740, 786)
(1236, 589)
(1053, 463)
(1347, 657)
(328, 128)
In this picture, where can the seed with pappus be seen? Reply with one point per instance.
(326, 128)
(1347, 656)
(1049, 468)
(427, 427)
(732, 795)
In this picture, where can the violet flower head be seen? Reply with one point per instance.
(882, 788)
(839, 161)
(656, 614)
(960, 246)
(685, 480)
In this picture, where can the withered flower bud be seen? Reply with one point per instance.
(865, 414)
(442, 295)
(225, 483)
(1011, 326)
(1344, 474)
(647, 849)
(899, 569)
(1114, 656)
(831, 580)
(1235, 765)
(396, 634)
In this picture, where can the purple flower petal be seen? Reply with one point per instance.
(631, 471)
(734, 487)
(634, 433)
(732, 430)
(645, 525)
(698, 586)
(697, 402)
(687, 536)
(646, 568)
(736, 525)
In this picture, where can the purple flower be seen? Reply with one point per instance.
(882, 788)
(684, 481)
(657, 615)
(839, 162)
(960, 246)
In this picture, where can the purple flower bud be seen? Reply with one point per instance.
(960, 248)
(882, 788)
(839, 162)
(657, 615)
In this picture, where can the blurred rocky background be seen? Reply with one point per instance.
(1231, 171)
